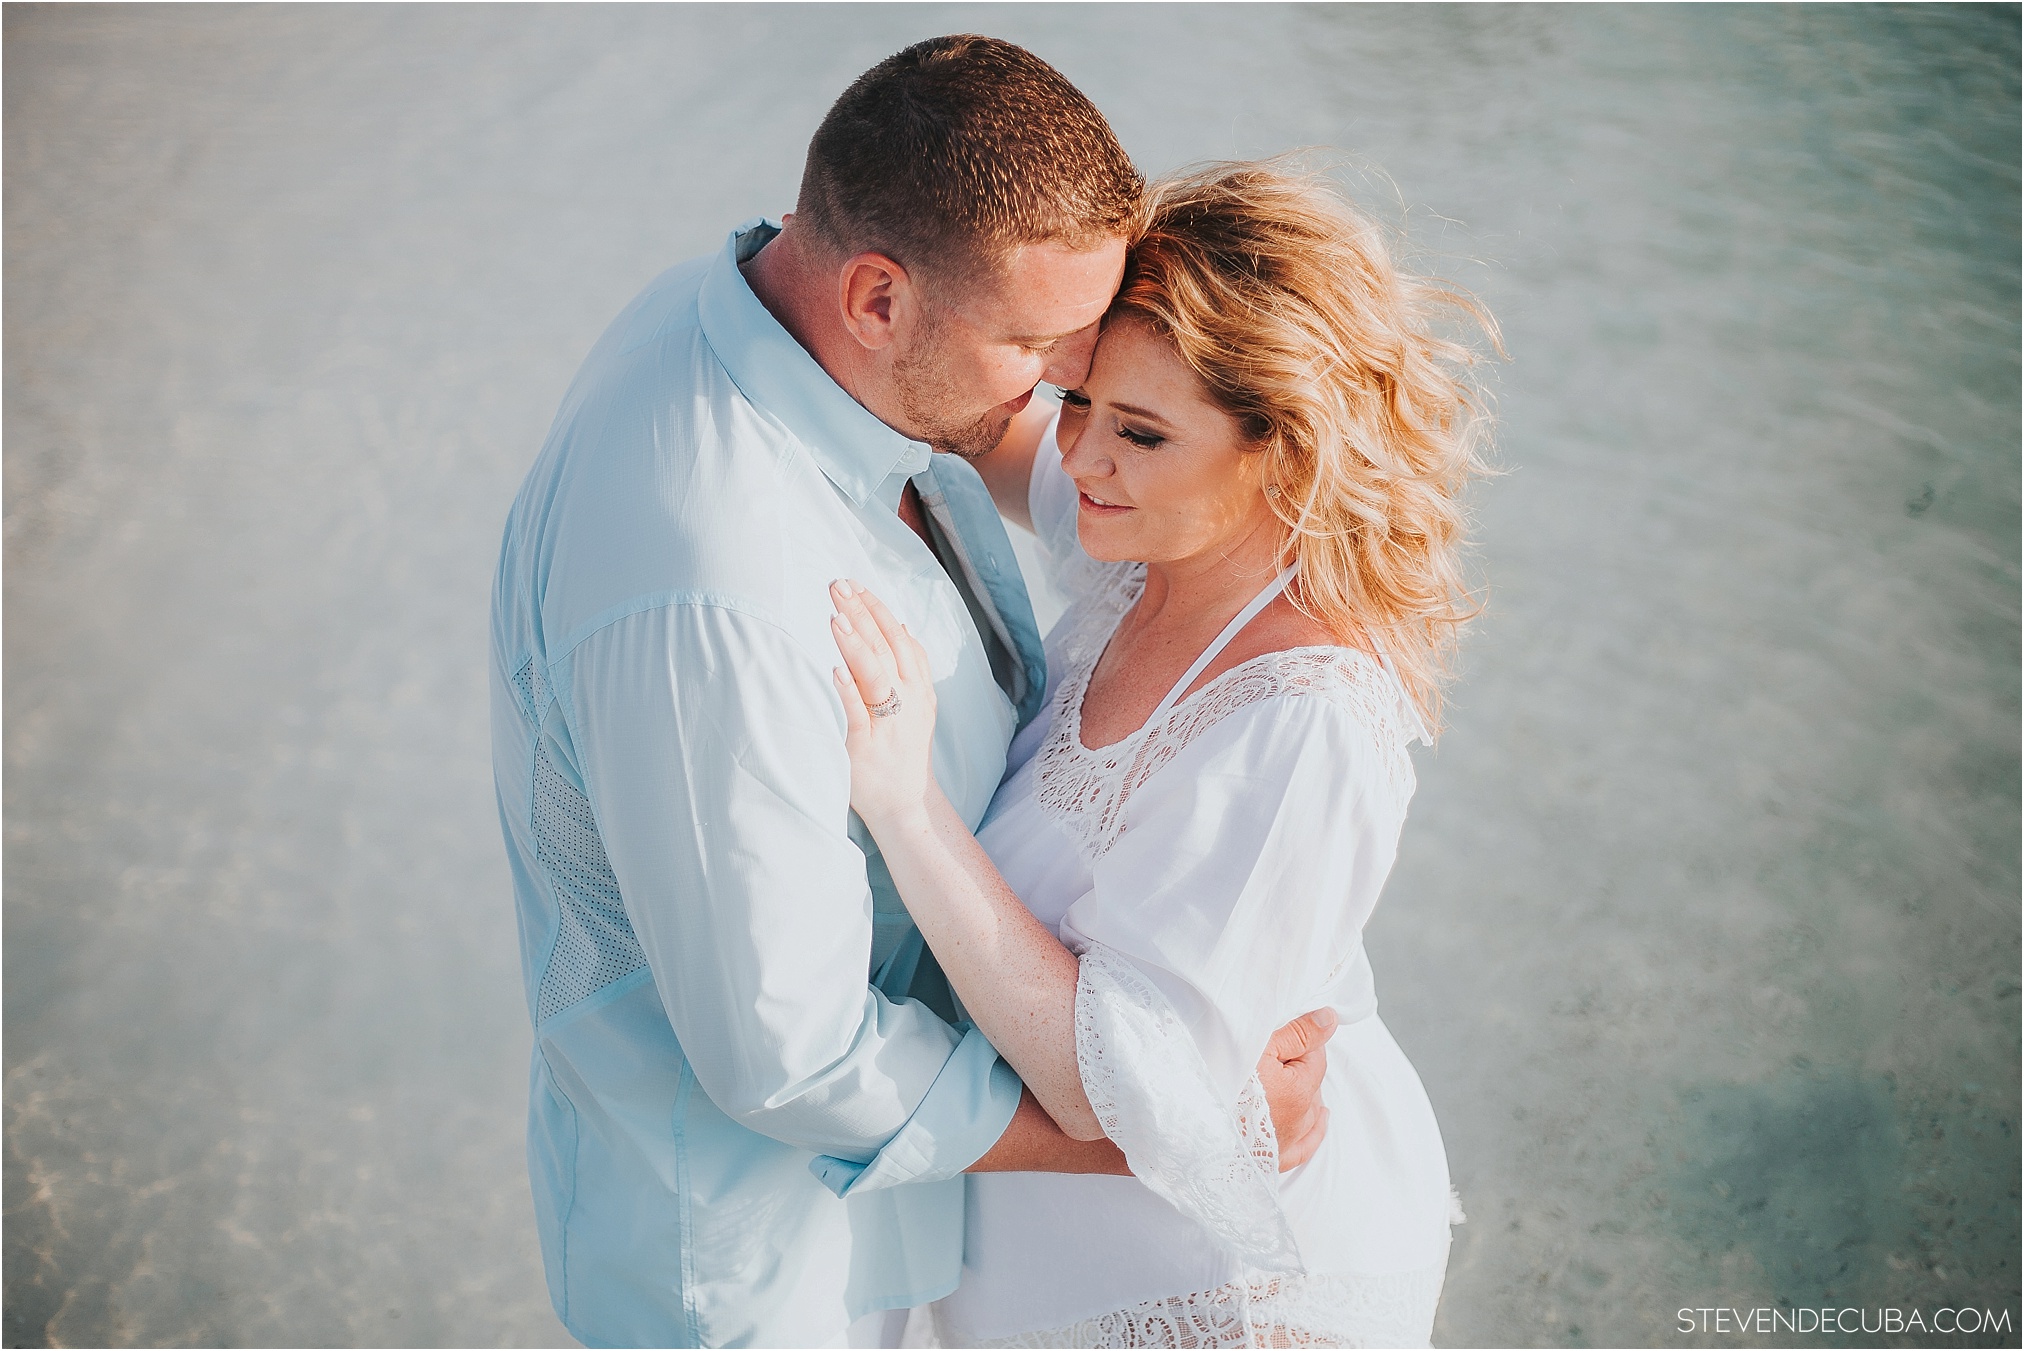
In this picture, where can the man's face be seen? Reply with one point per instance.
(972, 366)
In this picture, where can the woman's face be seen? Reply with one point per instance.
(1164, 473)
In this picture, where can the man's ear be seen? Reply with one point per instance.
(879, 302)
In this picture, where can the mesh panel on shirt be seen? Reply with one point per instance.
(533, 690)
(594, 945)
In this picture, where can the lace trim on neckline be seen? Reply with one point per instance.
(1085, 788)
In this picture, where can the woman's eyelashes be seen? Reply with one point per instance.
(1075, 401)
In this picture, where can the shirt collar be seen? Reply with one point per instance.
(857, 451)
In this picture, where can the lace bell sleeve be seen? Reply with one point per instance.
(1235, 890)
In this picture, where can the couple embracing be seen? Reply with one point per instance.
(881, 955)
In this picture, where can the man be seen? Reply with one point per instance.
(748, 1122)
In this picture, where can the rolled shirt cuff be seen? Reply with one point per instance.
(966, 1110)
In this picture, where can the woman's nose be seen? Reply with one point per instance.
(1079, 456)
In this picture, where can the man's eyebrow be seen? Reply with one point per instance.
(1042, 339)
(1148, 414)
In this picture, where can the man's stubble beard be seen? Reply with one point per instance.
(925, 396)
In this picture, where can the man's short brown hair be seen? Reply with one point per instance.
(951, 154)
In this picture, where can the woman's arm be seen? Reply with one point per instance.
(1008, 469)
(1014, 976)
(1012, 973)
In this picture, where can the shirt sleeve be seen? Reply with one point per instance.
(711, 748)
(1234, 895)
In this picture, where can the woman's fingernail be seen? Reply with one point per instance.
(842, 621)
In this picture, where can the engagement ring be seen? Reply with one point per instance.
(887, 706)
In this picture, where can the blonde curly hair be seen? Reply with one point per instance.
(1284, 301)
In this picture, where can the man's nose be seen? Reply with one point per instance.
(1068, 364)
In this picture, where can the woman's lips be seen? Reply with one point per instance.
(1091, 504)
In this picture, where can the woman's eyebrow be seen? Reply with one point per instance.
(1148, 414)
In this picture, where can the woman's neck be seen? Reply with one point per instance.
(1205, 590)
(1185, 604)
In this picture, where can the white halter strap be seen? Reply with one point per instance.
(1230, 630)
(1236, 626)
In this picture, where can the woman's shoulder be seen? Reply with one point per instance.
(1289, 668)
(1313, 725)
(1321, 718)
(1281, 626)
(1300, 720)
(1343, 695)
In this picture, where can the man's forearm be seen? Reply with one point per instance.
(1034, 1144)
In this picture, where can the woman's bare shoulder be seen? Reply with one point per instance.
(1282, 627)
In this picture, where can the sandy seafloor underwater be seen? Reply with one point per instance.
(1704, 930)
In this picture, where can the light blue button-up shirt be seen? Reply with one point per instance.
(742, 1129)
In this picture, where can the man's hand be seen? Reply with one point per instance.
(1291, 1071)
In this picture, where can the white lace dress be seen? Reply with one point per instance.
(1214, 870)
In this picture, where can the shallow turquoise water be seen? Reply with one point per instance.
(1704, 934)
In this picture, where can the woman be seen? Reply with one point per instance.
(1252, 500)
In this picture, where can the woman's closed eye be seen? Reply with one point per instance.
(1074, 401)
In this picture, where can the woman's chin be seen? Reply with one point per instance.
(1103, 550)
